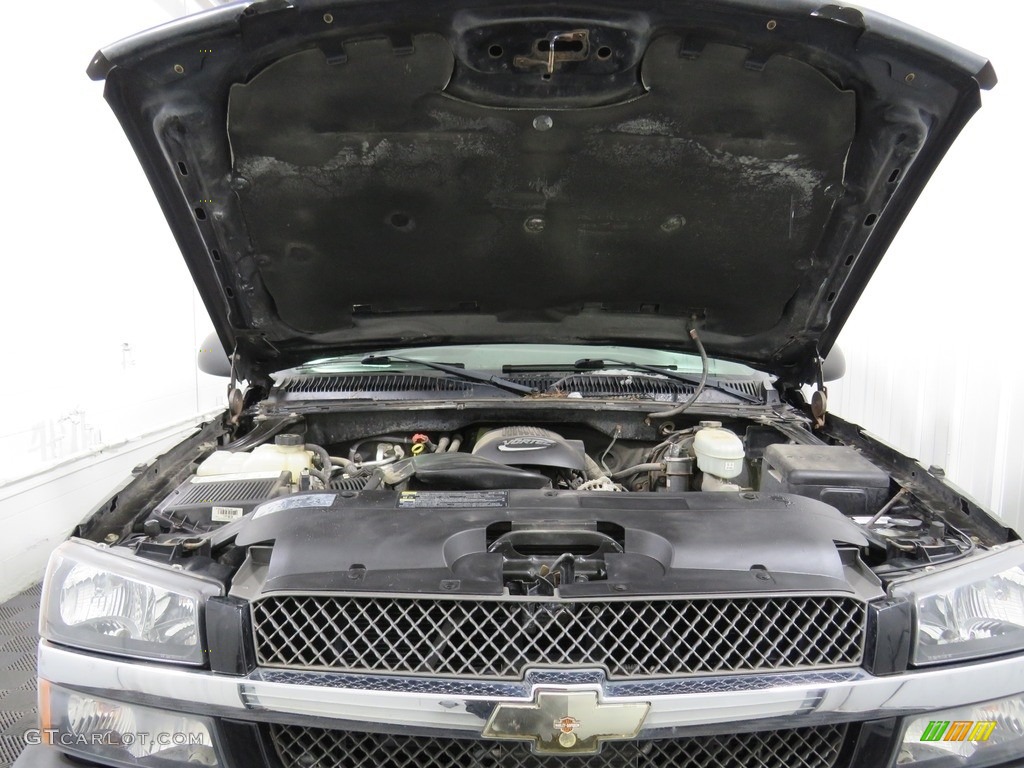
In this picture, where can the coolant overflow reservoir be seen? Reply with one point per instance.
(287, 453)
(719, 452)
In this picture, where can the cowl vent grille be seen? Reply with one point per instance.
(370, 384)
(610, 386)
(400, 386)
(639, 386)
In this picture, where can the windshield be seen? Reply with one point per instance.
(496, 357)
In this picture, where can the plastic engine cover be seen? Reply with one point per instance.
(530, 446)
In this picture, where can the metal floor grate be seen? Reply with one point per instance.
(501, 638)
(19, 619)
(301, 747)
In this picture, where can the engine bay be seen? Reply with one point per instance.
(597, 479)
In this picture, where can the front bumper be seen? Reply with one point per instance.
(443, 708)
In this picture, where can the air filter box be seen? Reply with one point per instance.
(202, 503)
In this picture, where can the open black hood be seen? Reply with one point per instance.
(346, 176)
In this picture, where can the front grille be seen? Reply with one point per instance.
(302, 747)
(502, 638)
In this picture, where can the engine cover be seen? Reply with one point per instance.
(417, 541)
(530, 446)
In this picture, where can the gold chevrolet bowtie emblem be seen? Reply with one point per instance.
(566, 722)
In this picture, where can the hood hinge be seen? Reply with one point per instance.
(819, 400)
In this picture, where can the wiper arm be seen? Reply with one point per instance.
(461, 373)
(588, 364)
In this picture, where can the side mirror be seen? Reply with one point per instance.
(212, 358)
(834, 366)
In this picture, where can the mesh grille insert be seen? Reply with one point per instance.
(501, 638)
(300, 747)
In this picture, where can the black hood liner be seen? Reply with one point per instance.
(374, 188)
(371, 175)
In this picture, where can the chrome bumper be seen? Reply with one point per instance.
(453, 707)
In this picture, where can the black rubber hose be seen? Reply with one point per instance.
(325, 462)
(396, 439)
(700, 387)
(262, 433)
(637, 469)
(374, 481)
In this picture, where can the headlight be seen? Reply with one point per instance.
(124, 734)
(982, 734)
(99, 600)
(968, 611)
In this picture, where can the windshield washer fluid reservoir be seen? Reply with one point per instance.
(286, 454)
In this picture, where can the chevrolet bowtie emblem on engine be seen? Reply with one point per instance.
(566, 722)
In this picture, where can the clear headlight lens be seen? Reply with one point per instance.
(981, 734)
(968, 611)
(95, 599)
(125, 734)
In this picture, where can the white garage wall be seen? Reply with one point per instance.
(934, 364)
(39, 512)
(99, 320)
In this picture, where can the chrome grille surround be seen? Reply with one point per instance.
(502, 638)
(812, 747)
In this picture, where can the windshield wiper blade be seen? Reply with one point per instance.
(461, 373)
(588, 364)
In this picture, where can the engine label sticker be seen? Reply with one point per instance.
(295, 502)
(450, 499)
(226, 514)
